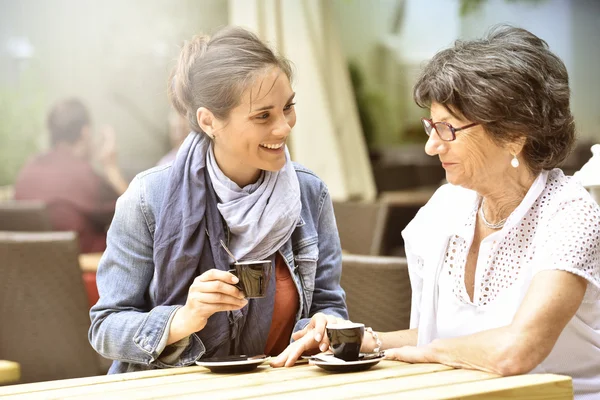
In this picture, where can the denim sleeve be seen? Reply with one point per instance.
(328, 296)
(125, 326)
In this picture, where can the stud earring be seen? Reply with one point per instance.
(515, 161)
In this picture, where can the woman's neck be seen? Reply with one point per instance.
(240, 173)
(501, 199)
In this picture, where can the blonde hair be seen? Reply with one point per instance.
(214, 71)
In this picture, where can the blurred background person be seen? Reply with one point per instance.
(78, 198)
(178, 130)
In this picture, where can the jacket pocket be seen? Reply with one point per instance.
(306, 256)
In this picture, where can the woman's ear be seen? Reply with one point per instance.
(517, 146)
(206, 121)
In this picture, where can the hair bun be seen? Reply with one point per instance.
(180, 85)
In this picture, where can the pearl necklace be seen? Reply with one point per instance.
(497, 225)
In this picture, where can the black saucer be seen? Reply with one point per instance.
(364, 363)
(232, 366)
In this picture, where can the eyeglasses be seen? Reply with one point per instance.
(444, 130)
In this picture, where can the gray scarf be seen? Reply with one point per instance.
(186, 244)
(260, 216)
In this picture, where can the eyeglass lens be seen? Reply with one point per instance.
(443, 130)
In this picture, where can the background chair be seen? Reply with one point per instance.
(24, 216)
(43, 307)
(361, 226)
(378, 291)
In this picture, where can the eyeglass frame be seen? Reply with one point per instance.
(453, 130)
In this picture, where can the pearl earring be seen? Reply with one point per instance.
(515, 161)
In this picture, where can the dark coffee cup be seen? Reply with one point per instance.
(345, 339)
(254, 277)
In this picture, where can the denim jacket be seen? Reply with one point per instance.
(130, 328)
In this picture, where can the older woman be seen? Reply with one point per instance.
(166, 296)
(504, 260)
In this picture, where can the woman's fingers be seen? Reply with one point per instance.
(320, 332)
(320, 322)
(217, 275)
(216, 281)
(392, 354)
(295, 352)
(217, 287)
(216, 298)
(410, 354)
(288, 357)
(280, 360)
(298, 334)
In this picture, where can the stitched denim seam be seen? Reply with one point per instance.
(144, 208)
(324, 194)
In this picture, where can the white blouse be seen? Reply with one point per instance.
(556, 227)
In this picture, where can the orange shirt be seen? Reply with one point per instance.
(284, 310)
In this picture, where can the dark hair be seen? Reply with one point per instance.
(214, 72)
(510, 83)
(66, 121)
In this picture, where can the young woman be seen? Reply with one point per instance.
(166, 298)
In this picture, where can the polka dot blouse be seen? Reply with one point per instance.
(559, 230)
(556, 227)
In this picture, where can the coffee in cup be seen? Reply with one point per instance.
(345, 339)
(254, 277)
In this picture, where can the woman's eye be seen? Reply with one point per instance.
(289, 107)
(263, 116)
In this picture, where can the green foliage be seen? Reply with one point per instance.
(22, 109)
(414, 133)
(373, 106)
(470, 6)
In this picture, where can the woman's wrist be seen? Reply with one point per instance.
(371, 341)
(180, 326)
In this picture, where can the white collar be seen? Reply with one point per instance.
(466, 232)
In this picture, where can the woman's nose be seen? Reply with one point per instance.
(283, 128)
(434, 145)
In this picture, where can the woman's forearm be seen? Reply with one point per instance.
(499, 351)
(389, 340)
(406, 337)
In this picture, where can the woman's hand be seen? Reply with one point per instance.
(312, 337)
(211, 292)
(410, 354)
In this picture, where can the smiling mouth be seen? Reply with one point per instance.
(269, 146)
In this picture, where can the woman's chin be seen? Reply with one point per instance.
(453, 179)
(273, 166)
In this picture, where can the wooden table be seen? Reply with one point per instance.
(388, 379)
(89, 261)
(10, 372)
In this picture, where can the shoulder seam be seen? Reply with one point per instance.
(153, 170)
